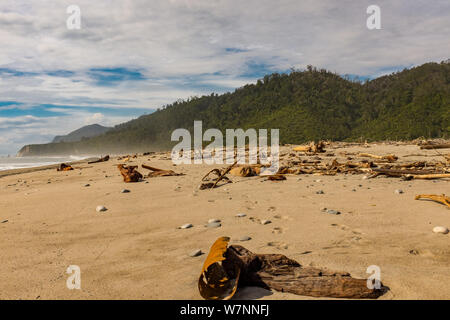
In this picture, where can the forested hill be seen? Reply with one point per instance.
(308, 105)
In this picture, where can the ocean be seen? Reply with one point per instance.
(9, 163)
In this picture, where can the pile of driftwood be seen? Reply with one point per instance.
(355, 163)
(227, 268)
(130, 173)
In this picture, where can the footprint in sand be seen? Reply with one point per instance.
(278, 245)
(277, 230)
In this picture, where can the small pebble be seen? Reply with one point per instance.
(440, 229)
(87, 185)
(186, 226)
(241, 215)
(214, 225)
(265, 221)
(398, 191)
(245, 238)
(4, 221)
(320, 192)
(213, 220)
(196, 253)
(331, 211)
(101, 209)
(125, 191)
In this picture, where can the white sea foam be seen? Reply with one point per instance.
(10, 163)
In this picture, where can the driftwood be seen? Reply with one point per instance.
(104, 159)
(389, 157)
(313, 147)
(227, 269)
(441, 199)
(428, 176)
(436, 146)
(221, 175)
(129, 174)
(64, 167)
(160, 172)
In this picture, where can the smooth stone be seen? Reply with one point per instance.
(213, 220)
(440, 229)
(398, 191)
(331, 211)
(100, 208)
(245, 238)
(214, 225)
(241, 215)
(196, 253)
(87, 185)
(125, 191)
(186, 226)
(265, 221)
(4, 221)
(320, 192)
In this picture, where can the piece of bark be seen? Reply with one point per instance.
(129, 174)
(64, 167)
(278, 272)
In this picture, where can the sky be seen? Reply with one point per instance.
(130, 57)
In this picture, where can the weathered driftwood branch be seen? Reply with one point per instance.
(389, 157)
(129, 174)
(104, 159)
(278, 272)
(160, 172)
(441, 199)
(428, 176)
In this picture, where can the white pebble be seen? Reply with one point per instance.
(265, 221)
(241, 215)
(440, 229)
(186, 226)
(196, 253)
(213, 220)
(100, 208)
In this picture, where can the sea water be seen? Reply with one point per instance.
(9, 163)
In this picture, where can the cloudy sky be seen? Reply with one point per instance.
(133, 56)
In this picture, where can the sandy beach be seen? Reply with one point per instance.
(134, 250)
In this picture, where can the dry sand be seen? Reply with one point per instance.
(135, 251)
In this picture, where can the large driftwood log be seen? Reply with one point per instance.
(277, 272)
(104, 159)
(436, 146)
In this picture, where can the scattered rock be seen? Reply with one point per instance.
(440, 229)
(214, 225)
(265, 221)
(4, 221)
(87, 185)
(320, 192)
(398, 191)
(245, 238)
(213, 220)
(331, 211)
(241, 215)
(186, 226)
(125, 191)
(196, 253)
(101, 209)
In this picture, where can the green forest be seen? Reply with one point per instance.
(307, 105)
